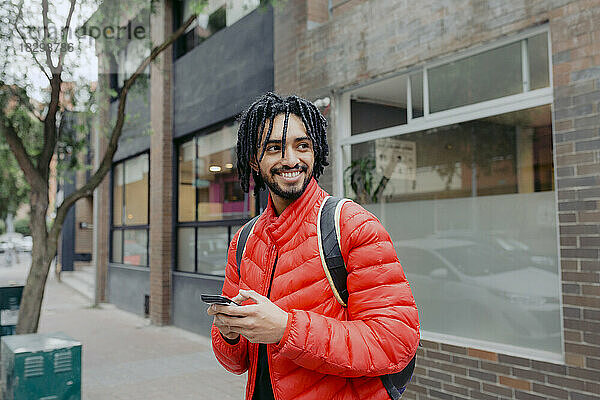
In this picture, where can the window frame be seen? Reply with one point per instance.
(122, 228)
(229, 223)
(521, 101)
(526, 99)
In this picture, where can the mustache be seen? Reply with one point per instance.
(285, 168)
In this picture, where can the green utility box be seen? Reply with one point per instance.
(40, 366)
(10, 300)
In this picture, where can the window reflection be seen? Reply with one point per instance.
(416, 89)
(380, 105)
(211, 201)
(212, 246)
(136, 190)
(508, 153)
(185, 249)
(187, 188)
(214, 16)
(135, 246)
(130, 211)
(215, 185)
(537, 51)
(484, 76)
(117, 246)
(471, 210)
(118, 195)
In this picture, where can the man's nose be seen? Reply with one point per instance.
(290, 158)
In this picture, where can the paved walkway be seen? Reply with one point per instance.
(124, 357)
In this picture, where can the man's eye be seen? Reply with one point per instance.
(304, 146)
(273, 148)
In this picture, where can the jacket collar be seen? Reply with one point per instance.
(283, 227)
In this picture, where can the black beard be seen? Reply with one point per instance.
(279, 191)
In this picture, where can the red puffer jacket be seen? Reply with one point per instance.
(327, 351)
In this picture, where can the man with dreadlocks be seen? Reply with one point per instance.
(295, 339)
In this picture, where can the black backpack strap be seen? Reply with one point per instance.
(242, 239)
(395, 384)
(328, 233)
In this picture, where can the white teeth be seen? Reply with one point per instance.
(290, 174)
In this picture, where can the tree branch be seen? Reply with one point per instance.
(50, 130)
(16, 26)
(46, 33)
(64, 37)
(98, 176)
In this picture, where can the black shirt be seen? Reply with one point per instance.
(263, 389)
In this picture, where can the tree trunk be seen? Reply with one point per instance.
(33, 293)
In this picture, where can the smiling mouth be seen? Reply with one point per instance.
(290, 175)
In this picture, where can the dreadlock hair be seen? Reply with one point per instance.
(253, 122)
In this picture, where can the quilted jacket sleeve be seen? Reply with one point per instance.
(382, 333)
(233, 357)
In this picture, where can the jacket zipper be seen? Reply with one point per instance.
(269, 297)
(253, 379)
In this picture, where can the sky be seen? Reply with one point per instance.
(81, 62)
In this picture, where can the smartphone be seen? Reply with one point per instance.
(217, 299)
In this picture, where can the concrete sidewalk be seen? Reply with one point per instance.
(124, 357)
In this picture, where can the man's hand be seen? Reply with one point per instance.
(262, 322)
(223, 327)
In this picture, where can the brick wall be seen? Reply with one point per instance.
(575, 33)
(373, 39)
(161, 171)
(102, 192)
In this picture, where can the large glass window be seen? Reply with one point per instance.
(213, 15)
(211, 203)
(132, 49)
(470, 206)
(130, 211)
(485, 76)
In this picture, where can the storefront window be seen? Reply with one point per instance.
(211, 203)
(135, 246)
(187, 187)
(130, 211)
(470, 208)
(185, 249)
(469, 202)
(136, 190)
(118, 195)
(211, 248)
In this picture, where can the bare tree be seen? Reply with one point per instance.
(34, 159)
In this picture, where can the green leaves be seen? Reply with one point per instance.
(197, 6)
(14, 190)
(362, 175)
